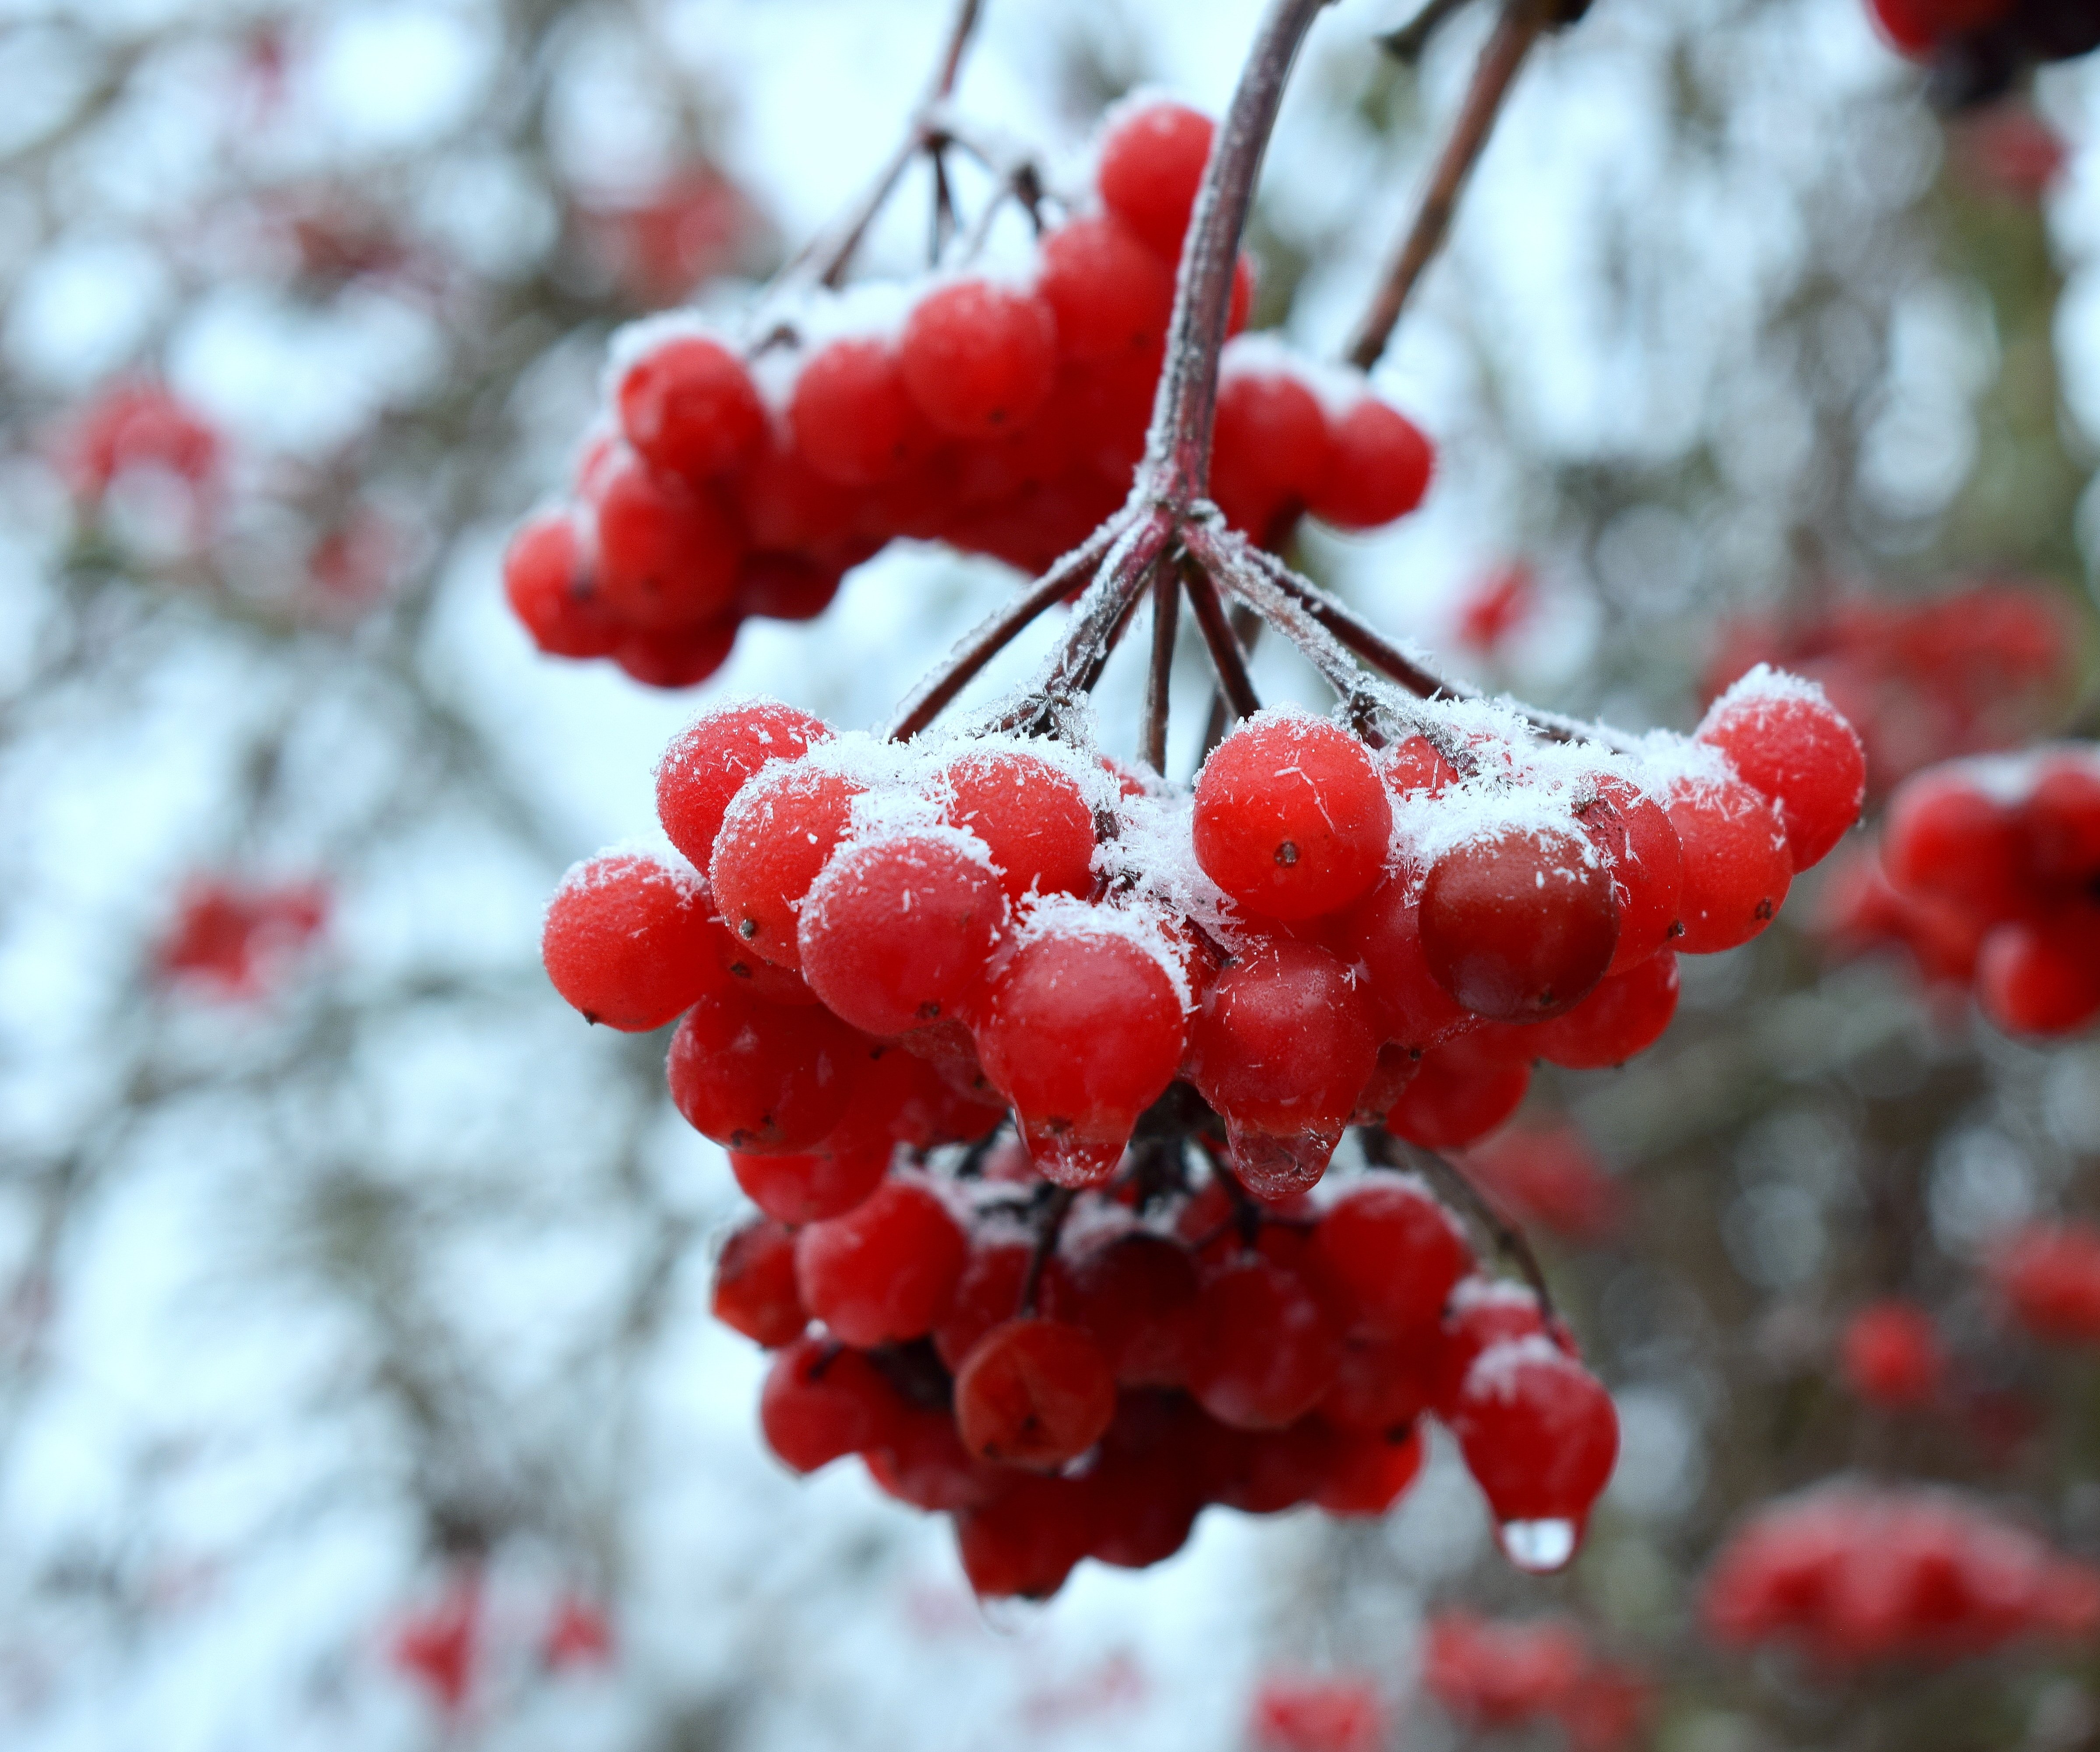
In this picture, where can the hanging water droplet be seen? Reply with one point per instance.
(1064, 1158)
(1539, 1547)
(1274, 1165)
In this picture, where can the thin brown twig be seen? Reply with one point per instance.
(1246, 632)
(1407, 43)
(1159, 678)
(1520, 25)
(1055, 1210)
(1234, 684)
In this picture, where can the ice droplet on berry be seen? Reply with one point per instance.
(1539, 1547)
(1274, 1165)
(1064, 1158)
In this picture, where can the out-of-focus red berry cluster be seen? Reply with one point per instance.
(233, 939)
(1331, 1713)
(1549, 1176)
(1852, 1575)
(1487, 1674)
(1005, 416)
(1968, 672)
(1989, 874)
(2047, 1275)
(1978, 48)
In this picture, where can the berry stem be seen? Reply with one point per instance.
(1520, 25)
(1097, 622)
(1177, 463)
(1049, 1226)
(1226, 658)
(1380, 1149)
(1246, 630)
(1159, 679)
(1407, 44)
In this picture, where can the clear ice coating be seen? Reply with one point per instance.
(1539, 1547)
(1274, 1165)
(1065, 1159)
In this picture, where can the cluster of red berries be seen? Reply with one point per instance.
(1852, 1575)
(1490, 1675)
(2048, 1277)
(1331, 1713)
(1979, 47)
(1005, 416)
(1967, 673)
(444, 1645)
(1991, 870)
(233, 939)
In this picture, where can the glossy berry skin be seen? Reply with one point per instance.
(1519, 925)
(978, 359)
(1376, 468)
(1791, 746)
(776, 836)
(885, 1270)
(807, 1188)
(1111, 293)
(759, 1077)
(1891, 1355)
(1132, 1294)
(1538, 1432)
(707, 762)
(1736, 869)
(1647, 863)
(1465, 1089)
(854, 421)
(1082, 1031)
(1625, 1014)
(1392, 1247)
(1263, 1351)
(626, 941)
(822, 1401)
(2032, 980)
(988, 1294)
(1032, 817)
(1151, 161)
(689, 408)
(754, 1287)
(1270, 450)
(1290, 819)
(667, 553)
(1383, 1385)
(546, 578)
(1367, 1475)
(1024, 1543)
(1944, 835)
(897, 932)
(1034, 1393)
(1385, 933)
(1284, 1042)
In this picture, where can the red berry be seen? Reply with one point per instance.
(1383, 1385)
(1385, 933)
(854, 421)
(1378, 467)
(547, 581)
(786, 587)
(1269, 450)
(1737, 870)
(924, 1463)
(1366, 1475)
(1263, 1351)
(988, 1293)
(758, 1077)
(1290, 819)
(1318, 1715)
(885, 1270)
(2040, 979)
(628, 941)
(677, 656)
(896, 931)
(1891, 1355)
(1034, 1393)
(1648, 866)
(808, 1188)
(2048, 1276)
(1625, 1014)
(667, 553)
(1132, 1294)
(1465, 1089)
(1032, 816)
(754, 1288)
(1788, 742)
(1082, 1030)
(707, 762)
(822, 1401)
(1519, 925)
(1152, 163)
(2061, 820)
(776, 836)
(1396, 1252)
(690, 407)
(1540, 1437)
(979, 358)
(1947, 835)
(1112, 294)
(1023, 1543)
(1282, 1046)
